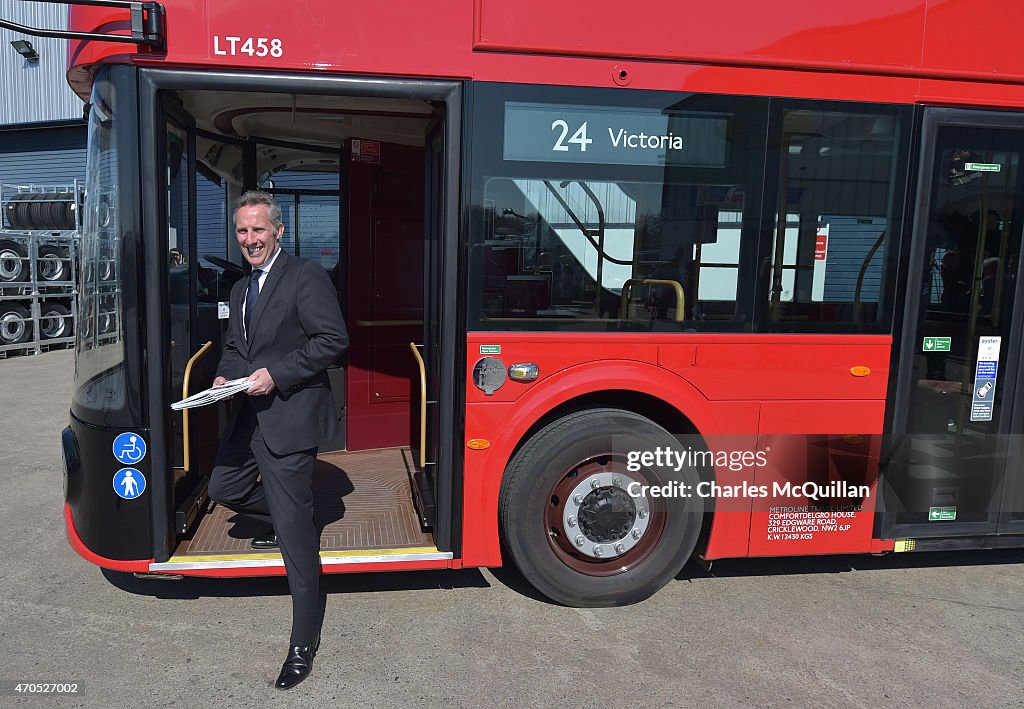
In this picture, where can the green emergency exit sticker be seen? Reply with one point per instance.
(982, 166)
(490, 349)
(941, 514)
(936, 344)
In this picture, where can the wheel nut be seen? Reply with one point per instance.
(636, 534)
(580, 540)
(598, 551)
(571, 521)
(619, 549)
(641, 513)
(594, 484)
(617, 481)
(578, 499)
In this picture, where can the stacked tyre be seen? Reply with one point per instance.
(54, 320)
(14, 262)
(42, 211)
(53, 264)
(15, 323)
(16, 327)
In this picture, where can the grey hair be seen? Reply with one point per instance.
(254, 198)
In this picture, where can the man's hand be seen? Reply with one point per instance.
(262, 383)
(220, 381)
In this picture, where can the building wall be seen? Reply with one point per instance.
(51, 156)
(35, 92)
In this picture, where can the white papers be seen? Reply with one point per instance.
(212, 394)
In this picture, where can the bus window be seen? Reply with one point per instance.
(549, 243)
(836, 222)
(635, 220)
(309, 199)
(106, 383)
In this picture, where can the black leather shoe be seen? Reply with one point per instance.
(298, 665)
(267, 541)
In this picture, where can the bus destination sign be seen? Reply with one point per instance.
(595, 134)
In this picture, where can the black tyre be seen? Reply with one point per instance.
(574, 517)
(12, 217)
(18, 211)
(38, 212)
(15, 324)
(54, 321)
(13, 262)
(53, 264)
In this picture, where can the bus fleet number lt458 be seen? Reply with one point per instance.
(252, 46)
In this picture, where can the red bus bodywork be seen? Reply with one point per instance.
(746, 390)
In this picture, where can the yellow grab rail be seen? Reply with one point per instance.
(184, 395)
(675, 285)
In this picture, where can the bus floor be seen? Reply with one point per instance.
(363, 501)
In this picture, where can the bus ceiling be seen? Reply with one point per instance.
(295, 130)
(147, 23)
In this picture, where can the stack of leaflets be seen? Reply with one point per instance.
(213, 394)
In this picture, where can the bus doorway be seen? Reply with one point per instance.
(351, 173)
(957, 415)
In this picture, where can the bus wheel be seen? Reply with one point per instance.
(15, 324)
(577, 520)
(13, 262)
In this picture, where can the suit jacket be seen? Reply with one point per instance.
(297, 332)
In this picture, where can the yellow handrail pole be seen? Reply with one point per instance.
(423, 404)
(184, 395)
(674, 285)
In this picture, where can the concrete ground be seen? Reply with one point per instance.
(925, 630)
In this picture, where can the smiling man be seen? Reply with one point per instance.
(285, 329)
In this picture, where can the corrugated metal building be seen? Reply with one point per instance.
(42, 134)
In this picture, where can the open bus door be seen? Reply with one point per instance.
(194, 289)
(957, 416)
(391, 234)
(425, 414)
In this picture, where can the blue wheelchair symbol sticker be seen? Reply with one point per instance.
(129, 483)
(129, 448)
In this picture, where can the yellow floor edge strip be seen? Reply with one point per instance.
(277, 555)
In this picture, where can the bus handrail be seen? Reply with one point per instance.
(186, 380)
(675, 285)
(423, 403)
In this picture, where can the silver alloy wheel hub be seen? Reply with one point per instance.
(10, 264)
(51, 324)
(49, 267)
(596, 495)
(12, 328)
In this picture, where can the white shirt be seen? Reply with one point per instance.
(260, 280)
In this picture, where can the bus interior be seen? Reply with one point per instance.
(349, 175)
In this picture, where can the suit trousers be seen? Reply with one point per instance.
(284, 499)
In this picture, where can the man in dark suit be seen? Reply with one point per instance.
(284, 329)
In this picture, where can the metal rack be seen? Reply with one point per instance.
(40, 227)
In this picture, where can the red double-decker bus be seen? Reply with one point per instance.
(625, 284)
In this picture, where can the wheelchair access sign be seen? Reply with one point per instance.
(129, 448)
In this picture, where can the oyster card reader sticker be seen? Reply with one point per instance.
(986, 369)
